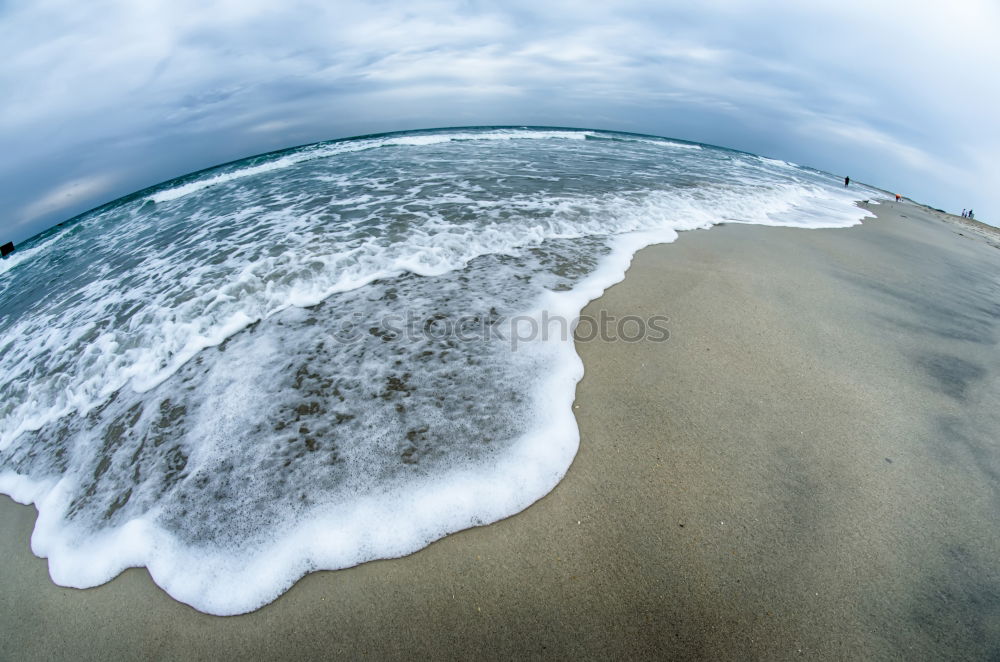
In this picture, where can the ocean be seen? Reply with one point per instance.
(339, 352)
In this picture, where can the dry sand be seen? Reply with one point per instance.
(808, 467)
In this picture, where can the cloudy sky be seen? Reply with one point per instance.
(103, 98)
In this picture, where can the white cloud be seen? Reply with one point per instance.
(860, 136)
(272, 126)
(64, 196)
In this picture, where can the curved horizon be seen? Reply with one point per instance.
(152, 188)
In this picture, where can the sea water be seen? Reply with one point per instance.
(317, 357)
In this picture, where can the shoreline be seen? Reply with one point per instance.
(805, 467)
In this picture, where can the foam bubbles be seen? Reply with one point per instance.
(333, 149)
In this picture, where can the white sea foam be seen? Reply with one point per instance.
(186, 401)
(22, 255)
(777, 162)
(334, 149)
(668, 143)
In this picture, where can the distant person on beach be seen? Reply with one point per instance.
(970, 214)
(898, 197)
(847, 180)
(963, 213)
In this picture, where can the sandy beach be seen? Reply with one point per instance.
(808, 468)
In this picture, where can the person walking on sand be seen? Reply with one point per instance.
(898, 197)
(970, 214)
(847, 180)
(963, 213)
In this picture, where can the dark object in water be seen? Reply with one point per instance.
(7, 249)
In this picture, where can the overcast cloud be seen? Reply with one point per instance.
(103, 98)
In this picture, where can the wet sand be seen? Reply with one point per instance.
(808, 468)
